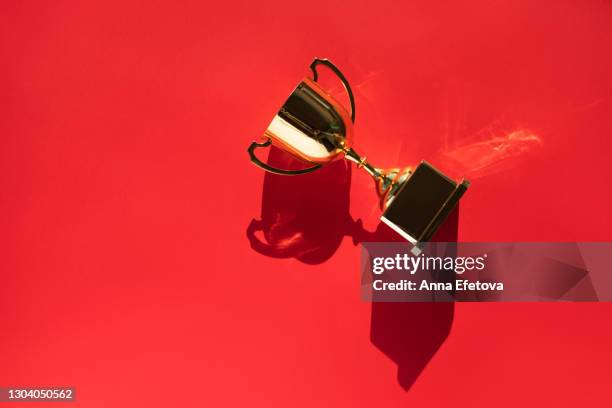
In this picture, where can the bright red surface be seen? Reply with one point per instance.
(125, 194)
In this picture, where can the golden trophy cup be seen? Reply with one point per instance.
(315, 128)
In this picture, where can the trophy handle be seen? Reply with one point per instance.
(339, 74)
(275, 170)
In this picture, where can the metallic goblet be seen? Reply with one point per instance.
(315, 128)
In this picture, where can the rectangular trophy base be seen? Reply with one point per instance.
(422, 203)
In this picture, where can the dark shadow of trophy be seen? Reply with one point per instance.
(306, 217)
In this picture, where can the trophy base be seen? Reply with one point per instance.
(421, 203)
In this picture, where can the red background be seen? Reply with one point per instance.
(125, 194)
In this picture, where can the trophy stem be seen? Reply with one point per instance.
(387, 181)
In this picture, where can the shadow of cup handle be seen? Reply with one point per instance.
(260, 246)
